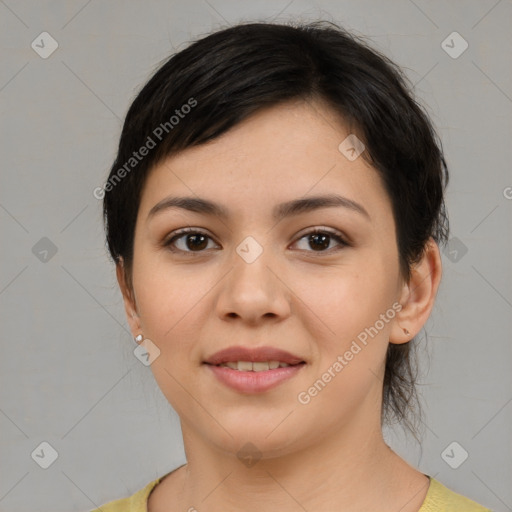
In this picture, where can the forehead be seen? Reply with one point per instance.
(280, 153)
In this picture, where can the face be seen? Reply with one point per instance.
(253, 279)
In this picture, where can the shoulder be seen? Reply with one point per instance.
(135, 503)
(440, 498)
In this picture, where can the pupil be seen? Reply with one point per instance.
(196, 238)
(316, 236)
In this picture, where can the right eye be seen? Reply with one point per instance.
(190, 239)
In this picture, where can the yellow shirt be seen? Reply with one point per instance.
(438, 499)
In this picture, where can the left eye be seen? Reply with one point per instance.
(322, 238)
(194, 240)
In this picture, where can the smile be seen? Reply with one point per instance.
(251, 370)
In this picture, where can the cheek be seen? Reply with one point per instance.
(169, 302)
(352, 320)
(346, 299)
(351, 347)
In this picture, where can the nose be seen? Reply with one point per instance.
(253, 292)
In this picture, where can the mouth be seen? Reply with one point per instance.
(253, 370)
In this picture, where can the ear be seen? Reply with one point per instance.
(418, 295)
(128, 299)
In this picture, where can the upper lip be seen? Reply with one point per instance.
(254, 354)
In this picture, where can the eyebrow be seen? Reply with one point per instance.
(280, 211)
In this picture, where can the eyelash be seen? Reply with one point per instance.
(168, 243)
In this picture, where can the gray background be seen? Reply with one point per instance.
(68, 374)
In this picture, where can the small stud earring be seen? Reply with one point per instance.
(139, 338)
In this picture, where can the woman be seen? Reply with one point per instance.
(274, 213)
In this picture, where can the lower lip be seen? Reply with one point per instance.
(254, 382)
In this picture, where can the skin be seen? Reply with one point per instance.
(307, 299)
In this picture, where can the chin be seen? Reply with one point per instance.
(269, 438)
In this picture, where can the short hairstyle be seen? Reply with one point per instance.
(221, 79)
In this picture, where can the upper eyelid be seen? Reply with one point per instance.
(322, 229)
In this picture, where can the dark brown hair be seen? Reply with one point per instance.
(219, 80)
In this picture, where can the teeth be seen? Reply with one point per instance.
(244, 366)
(248, 366)
(260, 366)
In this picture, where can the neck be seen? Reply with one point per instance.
(353, 469)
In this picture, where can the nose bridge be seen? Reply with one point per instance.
(253, 289)
(251, 273)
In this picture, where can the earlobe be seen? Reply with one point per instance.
(418, 295)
